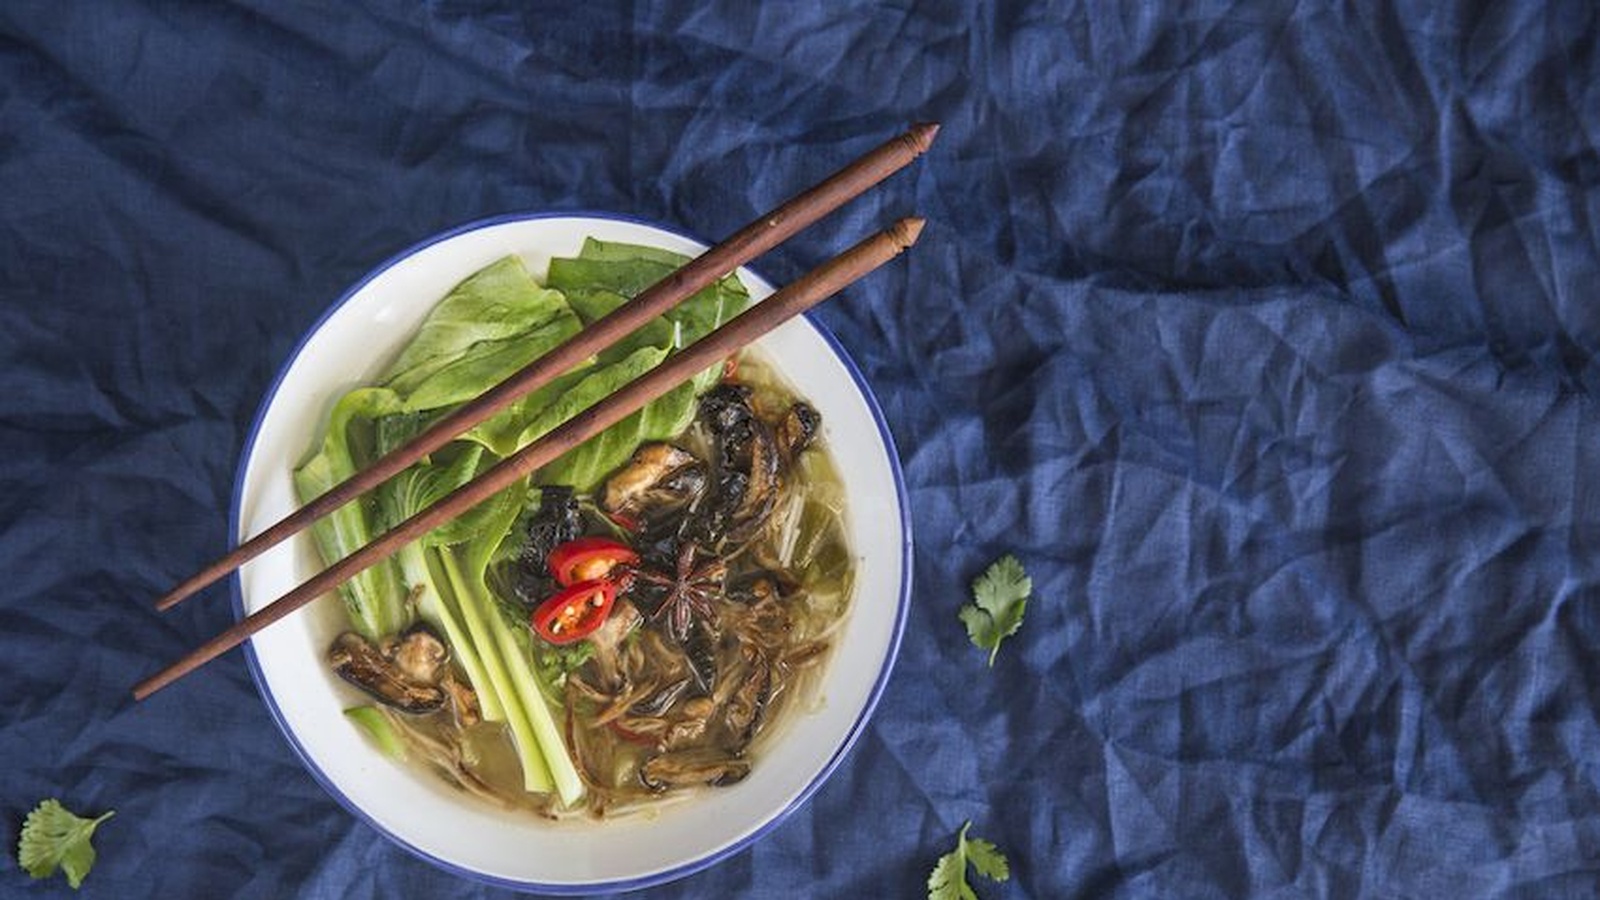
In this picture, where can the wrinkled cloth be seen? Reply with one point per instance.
(1264, 334)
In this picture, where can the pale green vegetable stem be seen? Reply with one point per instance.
(480, 624)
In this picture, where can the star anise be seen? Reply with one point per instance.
(687, 592)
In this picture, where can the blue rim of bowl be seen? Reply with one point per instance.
(666, 875)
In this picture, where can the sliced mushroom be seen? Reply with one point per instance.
(660, 700)
(464, 699)
(763, 487)
(658, 480)
(746, 707)
(805, 655)
(754, 589)
(690, 723)
(692, 767)
(763, 624)
(702, 655)
(607, 639)
(418, 653)
(355, 660)
(798, 429)
(747, 474)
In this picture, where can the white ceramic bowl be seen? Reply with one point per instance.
(348, 347)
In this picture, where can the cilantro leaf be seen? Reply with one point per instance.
(54, 838)
(988, 860)
(1000, 597)
(948, 880)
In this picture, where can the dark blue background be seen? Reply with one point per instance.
(1264, 334)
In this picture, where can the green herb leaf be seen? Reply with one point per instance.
(948, 880)
(1000, 597)
(54, 838)
(988, 860)
(553, 663)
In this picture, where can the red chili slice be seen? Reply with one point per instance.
(588, 559)
(575, 612)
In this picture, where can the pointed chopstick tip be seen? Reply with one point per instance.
(905, 232)
(921, 136)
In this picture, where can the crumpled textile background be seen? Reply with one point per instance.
(1264, 334)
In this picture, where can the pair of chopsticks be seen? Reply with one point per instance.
(744, 245)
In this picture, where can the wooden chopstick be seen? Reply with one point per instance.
(742, 246)
(800, 295)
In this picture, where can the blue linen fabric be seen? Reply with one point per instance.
(1264, 334)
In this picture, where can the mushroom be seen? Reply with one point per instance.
(747, 474)
(464, 699)
(607, 642)
(659, 479)
(418, 653)
(748, 704)
(798, 429)
(403, 674)
(692, 767)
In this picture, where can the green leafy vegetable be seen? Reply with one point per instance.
(507, 431)
(482, 366)
(602, 277)
(621, 268)
(501, 681)
(438, 610)
(948, 881)
(414, 490)
(471, 338)
(488, 326)
(428, 482)
(373, 598)
(593, 304)
(448, 592)
(425, 484)
(999, 598)
(54, 838)
(588, 464)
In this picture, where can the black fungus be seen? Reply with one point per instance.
(555, 522)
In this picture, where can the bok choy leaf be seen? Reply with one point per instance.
(498, 302)
(373, 598)
(603, 276)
